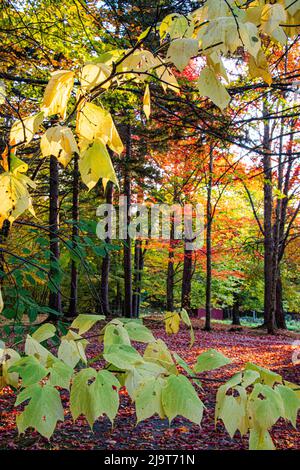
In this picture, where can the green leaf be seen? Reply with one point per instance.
(115, 333)
(148, 399)
(85, 322)
(232, 413)
(267, 376)
(72, 349)
(30, 370)
(141, 374)
(181, 51)
(138, 332)
(210, 360)
(123, 356)
(265, 406)
(43, 410)
(158, 352)
(34, 348)
(60, 375)
(260, 440)
(179, 398)
(210, 86)
(94, 399)
(291, 403)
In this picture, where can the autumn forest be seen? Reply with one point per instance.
(149, 225)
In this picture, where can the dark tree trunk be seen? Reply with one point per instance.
(236, 314)
(105, 268)
(268, 233)
(279, 312)
(139, 254)
(127, 244)
(187, 279)
(55, 296)
(72, 312)
(170, 271)
(207, 326)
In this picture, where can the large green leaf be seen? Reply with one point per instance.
(148, 399)
(123, 356)
(291, 403)
(43, 410)
(115, 333)
(60, 374)
(141, 374)
(94, 393)
(138, 332)
(265, 406)
(267, 376)
(85, 322)
(179, 398)
(158, 352)
(44, 332)
(260, 440)
(30, 370)
(209, 360)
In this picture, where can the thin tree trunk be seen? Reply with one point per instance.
(138, 267)
(268, 232)
(207, 326)
(54, 296)
(236, 314)
(279, 312)
(187, 279)
(127, 262)
(105, 268)
(170, 271)
(72, 312)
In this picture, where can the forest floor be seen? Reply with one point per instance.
(242, 345)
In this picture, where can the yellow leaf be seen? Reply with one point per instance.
(57, 93)
(172, 322)
(95, 163)
(24, 130)
(167, 78)
(94, 122)
(181, 51)
(59, 142)
(250, 37)
(279, 35)
(93, 74)
(271, 17)
(210, 86)
(14, 196)
(260, 67)
(215, 62)
(147, 102)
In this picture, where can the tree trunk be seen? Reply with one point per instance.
(54, 296)
(72, 312)
(127, 262)
(207, 326)
(138, 269)
(279, 312)
(236, 314)
(105, 268)
(187, 279)
(170, 271)
(268, 232)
